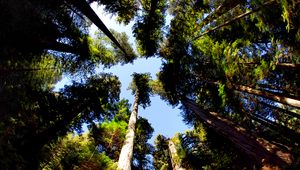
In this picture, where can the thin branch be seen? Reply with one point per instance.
(234, 19)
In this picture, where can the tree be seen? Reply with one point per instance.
(142, 150)
(75, 152)
(140, 87)
(58, 28)
(175, 153)
(192, 67)
(109, 136)
(149, 16)
(161, 155)
(85, 9)
(243, 141)
(45, 115)
(148, 28)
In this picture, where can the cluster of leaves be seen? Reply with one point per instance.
(140, 86)
(75, 152)
(148, 27)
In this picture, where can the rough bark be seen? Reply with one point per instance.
(125, 157)
(265, 154)
(173, 154)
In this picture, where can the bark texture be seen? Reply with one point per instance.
(125, 158)
(265, 154)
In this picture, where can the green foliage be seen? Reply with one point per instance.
(222, 94)
(109, 136)
(161, 155)
(142, 149)
(75, 152)
(141, 88)
(180, 152)
(124, 9)
(202, 148)
(210, 48)
(148, 28)
(123, 40)
(41, 116)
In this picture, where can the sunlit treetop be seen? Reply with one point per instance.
(141, 88)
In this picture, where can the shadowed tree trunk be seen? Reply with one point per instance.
(126, 153)
(285, 131)
(278, 65)
(265, 154)
(284, 111)
(85, 8)
(268, 95)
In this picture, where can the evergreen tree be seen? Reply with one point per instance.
(140, 87)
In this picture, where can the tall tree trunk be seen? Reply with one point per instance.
(278, 65)
(284, 90)
(174, 156)
(285, 131)
(125, 157)
(268, 95)
(284, 111)
(265, 154)
(85, 8)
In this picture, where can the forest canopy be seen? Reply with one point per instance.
(232, 66)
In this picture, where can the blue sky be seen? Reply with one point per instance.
(164, 118)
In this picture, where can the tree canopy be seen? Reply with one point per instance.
(231, 65)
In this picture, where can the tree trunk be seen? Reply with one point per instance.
(173, 154)
(285, 131)
(85, 8)
(126, 153)
(278, 65)
(265, 154)
(285, 111)
(268, 95)
(284, 90)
